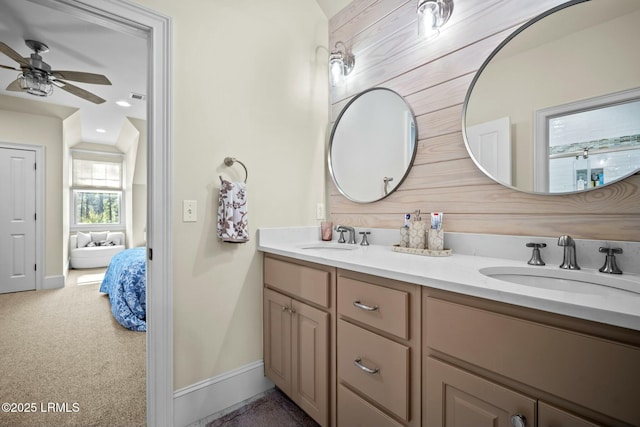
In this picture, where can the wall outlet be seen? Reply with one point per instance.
(189, 210)
(320, 213)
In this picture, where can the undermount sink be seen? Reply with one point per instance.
(582, 281)
(330, 245)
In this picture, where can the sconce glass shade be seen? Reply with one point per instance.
(35, 84)
(340, 65)
(432, 14)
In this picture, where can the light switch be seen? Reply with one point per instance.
(189, 210)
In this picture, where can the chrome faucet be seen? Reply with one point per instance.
(569, 261)
(352, 233)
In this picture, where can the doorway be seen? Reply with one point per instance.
(129, 17)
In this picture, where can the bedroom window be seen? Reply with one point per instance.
(96, 184)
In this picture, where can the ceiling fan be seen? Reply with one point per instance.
(37, 78)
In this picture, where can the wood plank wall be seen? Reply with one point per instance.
(434, 78)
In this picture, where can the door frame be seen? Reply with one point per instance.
(40, 211)
(131, 18)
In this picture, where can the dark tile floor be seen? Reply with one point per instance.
(275, 409)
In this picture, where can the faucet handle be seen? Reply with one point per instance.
(536, 259)
(610, 251)
(341, 239)
(610, 265)
(364, 242)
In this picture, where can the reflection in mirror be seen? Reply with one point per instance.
(555, 109)
(372, 146)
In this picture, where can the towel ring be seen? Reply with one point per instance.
(229, 161)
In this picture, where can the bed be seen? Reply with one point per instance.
(125, 281)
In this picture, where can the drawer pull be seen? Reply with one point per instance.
(364, 306)
(368, 370)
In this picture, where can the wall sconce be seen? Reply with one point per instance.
(432, 14)
(340, 64)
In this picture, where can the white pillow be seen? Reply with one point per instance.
(114, 237)
(83, 239)
(98, 236)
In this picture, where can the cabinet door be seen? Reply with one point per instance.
(550, 416)
(456, 398)
(310, 358)
(277, 339)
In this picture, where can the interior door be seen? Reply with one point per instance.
(17, 220)
(490, 143)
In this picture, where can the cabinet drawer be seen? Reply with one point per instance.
(303, 282)
(550, 416)
(353, 411)
(592, 372)
(389, 386)
(382, 308)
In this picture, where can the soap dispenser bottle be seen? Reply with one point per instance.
(417, 232)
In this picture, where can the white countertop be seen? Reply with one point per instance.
(460, 273)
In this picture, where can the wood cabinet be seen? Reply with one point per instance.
(297, 343)
(456, 398)
(486, 359)
(353, 350)
(378, 346)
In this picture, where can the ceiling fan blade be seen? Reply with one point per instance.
(78, 76)
(75, 90)
(13, 55)
(14, 86)
(10, 68)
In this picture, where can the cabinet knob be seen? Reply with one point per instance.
(364, 306)
(518, 420)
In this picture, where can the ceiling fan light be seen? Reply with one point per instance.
(35, 85)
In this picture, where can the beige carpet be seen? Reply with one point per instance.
(64, 355)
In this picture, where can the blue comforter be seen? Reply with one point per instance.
(126, 283)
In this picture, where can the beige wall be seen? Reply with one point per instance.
(139, 189)
(434, 77)
(249, 81)
(44, 129)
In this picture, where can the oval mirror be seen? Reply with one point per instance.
(372, 145)
(555, 109)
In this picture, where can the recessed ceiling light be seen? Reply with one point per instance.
(101, 130)
(123, 103)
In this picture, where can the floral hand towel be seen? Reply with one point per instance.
(233, 225)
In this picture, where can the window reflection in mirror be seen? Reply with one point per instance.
(591, 148)
(577, 52)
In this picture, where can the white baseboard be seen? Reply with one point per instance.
(53, 282)
(199, 400)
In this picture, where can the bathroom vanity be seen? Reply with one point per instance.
(364, 336)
